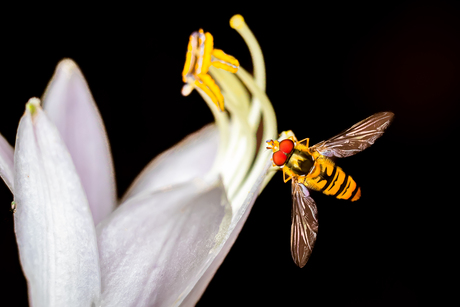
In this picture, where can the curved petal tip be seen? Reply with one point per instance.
(70, 106)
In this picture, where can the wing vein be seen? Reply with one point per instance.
(304, 225)
(357, 138)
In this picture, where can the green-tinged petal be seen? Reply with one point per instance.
(54, 228)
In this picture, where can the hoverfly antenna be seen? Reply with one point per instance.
(269, 144)
(273, 145)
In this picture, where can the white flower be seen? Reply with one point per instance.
(164, 242)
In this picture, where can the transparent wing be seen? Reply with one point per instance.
(304, 226)
(357, 138)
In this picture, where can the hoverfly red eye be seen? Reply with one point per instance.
(286, 146)
(279, 158)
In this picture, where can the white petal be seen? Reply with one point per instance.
(53, 224)
(191, 158)
(233, 231)
(154, 248)
(6, 163)
(70, 106)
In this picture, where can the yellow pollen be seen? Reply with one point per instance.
(208, 46)
(205, 89)
(209, 82)
(188, 66)
(200, 56)
(225, 61)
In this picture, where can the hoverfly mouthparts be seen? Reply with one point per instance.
(281, 150)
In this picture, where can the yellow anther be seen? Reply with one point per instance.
(207, 91)
(237, 21)
(219, 54)
(200, 51)
(207, 51)
(200, 56)
(225, 61)
(209, 82)
(189, 58)
(224, 66)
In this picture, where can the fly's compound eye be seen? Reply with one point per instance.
(286, 146)
(279, 158)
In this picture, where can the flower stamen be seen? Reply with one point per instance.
(200, 56)
(247, 104)
(224, 61)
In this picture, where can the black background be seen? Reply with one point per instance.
(329, 65)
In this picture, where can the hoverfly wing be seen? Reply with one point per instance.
(304, 227)
(357, 138)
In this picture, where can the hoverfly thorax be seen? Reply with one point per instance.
(301, 162)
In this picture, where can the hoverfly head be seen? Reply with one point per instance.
(281, 151)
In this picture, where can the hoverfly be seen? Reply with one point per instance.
(313, 168)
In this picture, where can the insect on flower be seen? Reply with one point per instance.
(312, 168)
(77, 247)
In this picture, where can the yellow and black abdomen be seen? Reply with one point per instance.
(330, 179)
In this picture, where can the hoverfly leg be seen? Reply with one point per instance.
(284, 175)
(305, 142)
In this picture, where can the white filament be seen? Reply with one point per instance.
(235, 160)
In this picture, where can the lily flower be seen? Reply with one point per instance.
(163, 242)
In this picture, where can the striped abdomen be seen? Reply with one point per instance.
(330, 179)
